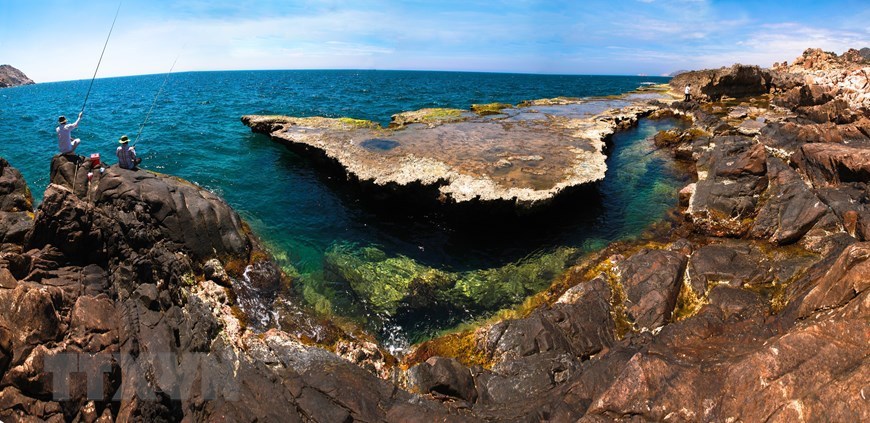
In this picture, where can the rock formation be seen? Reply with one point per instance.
(116, 305)
(11, 77)
(522, 157)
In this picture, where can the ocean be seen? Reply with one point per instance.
(309, 219)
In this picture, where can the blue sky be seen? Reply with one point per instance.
(55, 40)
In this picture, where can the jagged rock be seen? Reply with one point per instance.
(736, 81)
(790, 209)
(832, 164)
(805, 95)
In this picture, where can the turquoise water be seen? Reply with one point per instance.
(195, 133)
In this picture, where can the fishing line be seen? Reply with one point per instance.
(148, 115)
(101, 57)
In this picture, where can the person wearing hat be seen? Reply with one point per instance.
(65, 143)
(126, 155)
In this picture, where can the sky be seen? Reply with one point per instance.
(55, 40)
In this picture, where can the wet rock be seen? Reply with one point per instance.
(443, 376)
(396, 284)
(790, 209)
(832, 164)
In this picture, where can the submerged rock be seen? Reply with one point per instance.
(523, 157)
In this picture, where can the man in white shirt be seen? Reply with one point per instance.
(65, 144)
(688, 92)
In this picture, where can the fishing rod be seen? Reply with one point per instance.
(148, 115)
(101, 57)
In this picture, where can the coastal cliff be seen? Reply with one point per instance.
(135, 295)
(11, 77)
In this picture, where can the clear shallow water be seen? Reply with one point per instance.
(301, 213)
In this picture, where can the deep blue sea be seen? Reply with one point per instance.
(300, 212)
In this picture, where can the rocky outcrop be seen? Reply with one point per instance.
(108, 314)
(11, 77)
(501, 157)
(736, 81)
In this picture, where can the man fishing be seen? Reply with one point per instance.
(65, 143)
(127, 155)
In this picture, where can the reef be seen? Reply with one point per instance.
(134, 295)
(11, 77)
(494, 154)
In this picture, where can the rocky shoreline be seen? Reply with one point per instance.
(753, 306)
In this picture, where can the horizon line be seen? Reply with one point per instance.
(357, 70)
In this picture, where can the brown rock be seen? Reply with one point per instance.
(847, 278)
(791, 208)
(651, 280)
(832, 164)
(444, 376)
(736, 81)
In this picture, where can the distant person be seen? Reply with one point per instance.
(127, 155)
(65, 144)
(688, 92)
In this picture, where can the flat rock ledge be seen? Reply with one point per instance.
(524, 155)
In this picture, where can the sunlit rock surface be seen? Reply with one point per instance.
(523, 155)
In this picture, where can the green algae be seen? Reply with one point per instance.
(358, 123)
(490, 108)
(429, 116)
(389, 283)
